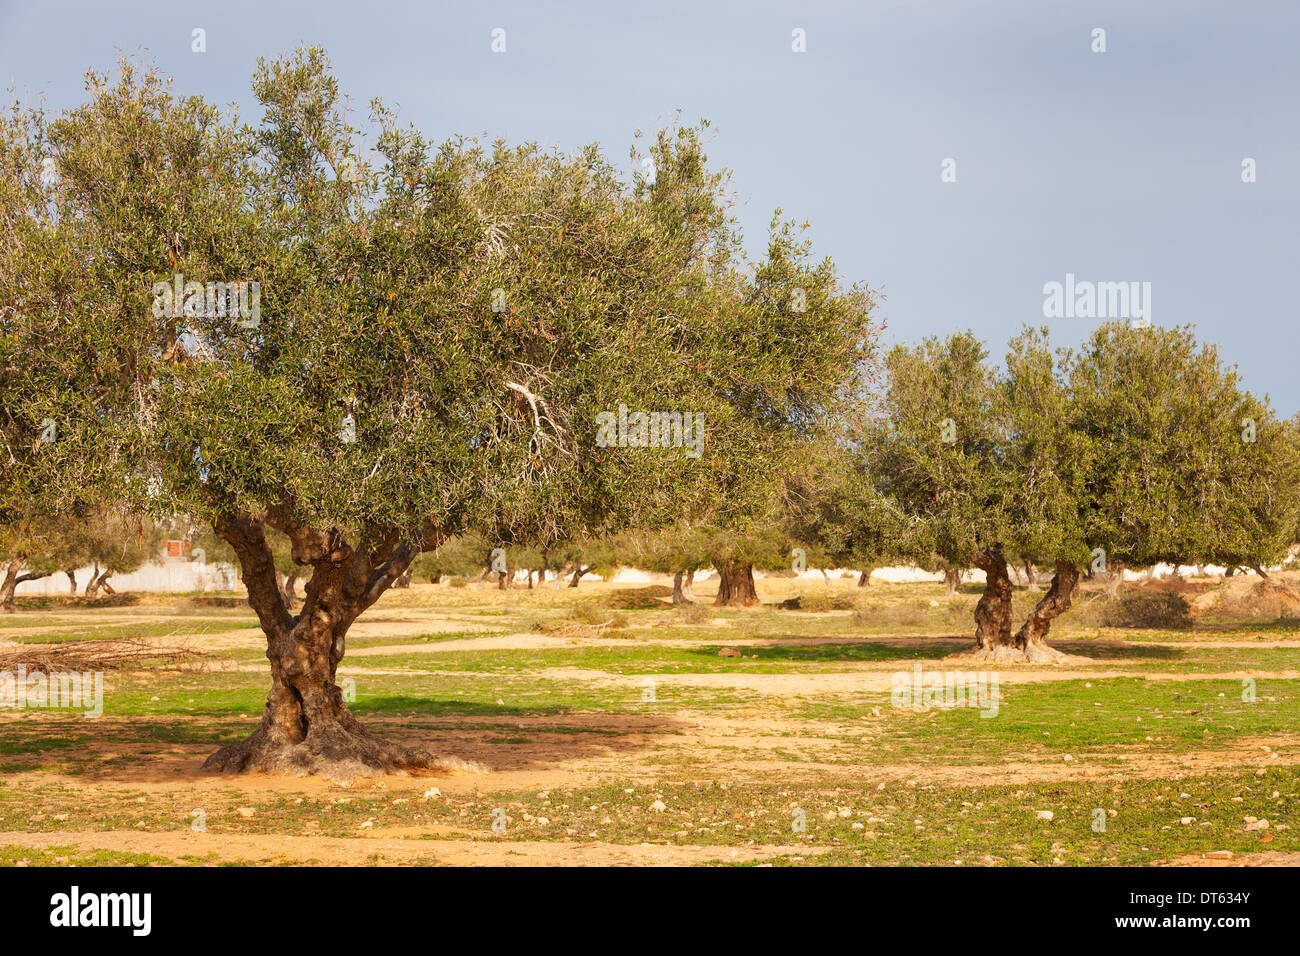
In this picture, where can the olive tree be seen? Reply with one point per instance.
(270, 330)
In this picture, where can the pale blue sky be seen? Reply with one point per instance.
(1117, 166)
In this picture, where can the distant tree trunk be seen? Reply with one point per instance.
(1258, 570)
(435, 578)
(72, 581)
(952, 577)
(825, 577)
(1114, 578)
(679, 593)
(505, 579)
(688, 585)
(289, 588)
(579, 571)
(98, 580)
(9, 583)
(864, 579)
(1031, 574)
(736, 586)
(403, 580)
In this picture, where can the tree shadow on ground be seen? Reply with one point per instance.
(144, 750)
(1117, 650)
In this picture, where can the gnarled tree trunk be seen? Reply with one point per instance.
(688, 586)
(993, 611)
(864, 579)
(1053, 604)
(306, 726)
(578, 572)
(72, 581)
(993, 638)
(736, 586)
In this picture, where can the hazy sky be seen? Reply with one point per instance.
(1117, 166)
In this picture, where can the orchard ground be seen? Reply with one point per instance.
(600, 725)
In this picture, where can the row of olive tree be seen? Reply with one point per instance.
(1138, 448)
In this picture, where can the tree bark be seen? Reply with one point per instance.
(306, 726)
(993, 611)
(864, 579)
(736, 586)
(688, 586)
(1031, 574)
(1053, 604)
(579, 571)
(72, 581)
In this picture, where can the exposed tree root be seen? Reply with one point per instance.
(341, 750)
(1033, 653)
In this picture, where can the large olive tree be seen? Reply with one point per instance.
(438, 332)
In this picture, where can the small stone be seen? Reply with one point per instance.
(658, 806)
(247, 812)
(1045, 814)
(1218, 855)
(1186, 820)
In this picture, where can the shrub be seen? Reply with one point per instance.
(1152, 609)
(695, 613)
